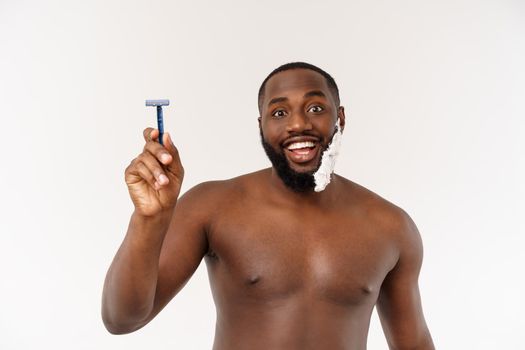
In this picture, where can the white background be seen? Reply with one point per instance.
(434, 94)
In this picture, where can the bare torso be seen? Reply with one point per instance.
(287, 275)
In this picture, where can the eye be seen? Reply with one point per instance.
(316, 109)
(279, 113)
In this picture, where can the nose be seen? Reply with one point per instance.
(298, 122)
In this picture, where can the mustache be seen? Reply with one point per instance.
(324, 143)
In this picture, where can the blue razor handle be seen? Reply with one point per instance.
(160, 119)
(160, 124)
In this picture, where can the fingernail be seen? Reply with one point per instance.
(163, 178)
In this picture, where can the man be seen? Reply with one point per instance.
(293, 263)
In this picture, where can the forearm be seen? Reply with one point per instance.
(426, 343)
(131, 281)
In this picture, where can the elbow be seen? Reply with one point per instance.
(122, 313)
(118, 328)
(122, 325)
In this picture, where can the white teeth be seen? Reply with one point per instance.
(297, 145)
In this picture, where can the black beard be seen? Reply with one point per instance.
(296, 181)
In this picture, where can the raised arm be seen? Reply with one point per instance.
(399, 303)
(164, 244)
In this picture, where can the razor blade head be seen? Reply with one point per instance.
(156, 103)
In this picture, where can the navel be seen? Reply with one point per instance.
(253, 280)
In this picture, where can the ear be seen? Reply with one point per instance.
(259, 120)
(341, 116)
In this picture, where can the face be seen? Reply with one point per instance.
(297, 122)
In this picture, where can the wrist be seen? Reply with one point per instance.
(150, 226)
(159, 217)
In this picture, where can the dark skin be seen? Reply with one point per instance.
(287, 270)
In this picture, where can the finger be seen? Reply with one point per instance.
(173, 151)
(146, 174)
(154, 167)
(150, 134)
(158, 151)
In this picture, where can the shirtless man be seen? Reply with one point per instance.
(289, 267)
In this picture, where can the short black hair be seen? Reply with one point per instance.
(298, 65)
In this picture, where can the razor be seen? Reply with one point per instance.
(160, 119)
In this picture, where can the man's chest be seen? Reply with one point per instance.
(271, 255)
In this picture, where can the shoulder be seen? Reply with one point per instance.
(387, 217)
(214, 192)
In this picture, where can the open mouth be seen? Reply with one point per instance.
(302, 152)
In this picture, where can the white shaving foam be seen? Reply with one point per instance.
(322, 176)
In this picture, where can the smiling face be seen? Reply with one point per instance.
(297, 122)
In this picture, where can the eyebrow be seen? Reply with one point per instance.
(315, 93)
(277, 100)
(308, 94)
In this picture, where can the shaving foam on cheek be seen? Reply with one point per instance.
(322, 176)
